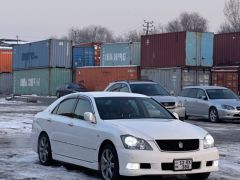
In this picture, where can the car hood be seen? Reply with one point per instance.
(230, 102)
(152, 129)
(164, 98)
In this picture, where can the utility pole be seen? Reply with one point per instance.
(147, 26)
(17, 38)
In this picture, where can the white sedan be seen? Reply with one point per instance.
(122, 134)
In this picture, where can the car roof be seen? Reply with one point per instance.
(135, 82)
(106, 94)
(206, 87)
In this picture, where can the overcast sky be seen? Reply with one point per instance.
(39, 19)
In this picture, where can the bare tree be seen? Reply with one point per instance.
(133, 36)
(90, 34)
(232, 17)
(188, 22)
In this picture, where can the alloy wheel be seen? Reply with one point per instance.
(107, 164)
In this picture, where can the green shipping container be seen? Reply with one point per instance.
(41, 82)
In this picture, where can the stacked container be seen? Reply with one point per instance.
(5, 70)
(176, 60)
(40, 67)
(226, 61)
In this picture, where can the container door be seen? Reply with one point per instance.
(203, 78)
(206, 58)
(188, 78)
(135, 53)
(191, 49)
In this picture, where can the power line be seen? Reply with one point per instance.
(148, 26)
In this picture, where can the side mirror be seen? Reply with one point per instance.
(175, 115)
(88, 116)
(204, 98)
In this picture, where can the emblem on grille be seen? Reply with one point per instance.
(180, 145)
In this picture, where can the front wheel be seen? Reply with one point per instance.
(109, 166)
(213, 115)
(44, 150)
(198, 176)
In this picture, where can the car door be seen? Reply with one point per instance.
(201, 103)
(61, 125)
(85, 134)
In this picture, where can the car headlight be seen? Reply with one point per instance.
(227, 107)
(133, 143)
(208, 141)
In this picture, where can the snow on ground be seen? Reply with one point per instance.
(18, 161)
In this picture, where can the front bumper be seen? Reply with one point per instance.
(158, 159)
(179, 110)
(228, 114)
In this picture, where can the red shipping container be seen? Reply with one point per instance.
(227, 77)
(227, 49)
(98, 78)
(5, 60)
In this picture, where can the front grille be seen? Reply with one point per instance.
(170, 166)
(238, 108)
(168, 104)
(178, 145)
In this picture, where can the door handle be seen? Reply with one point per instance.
(70, 124)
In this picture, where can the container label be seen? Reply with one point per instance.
(115, 57)
(30, 82)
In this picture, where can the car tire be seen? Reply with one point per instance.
(108, 163)
(198, 176)
(44, 150)
(213, 115)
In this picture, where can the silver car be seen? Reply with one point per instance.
(212, 102)
(151, 89)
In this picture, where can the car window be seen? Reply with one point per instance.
(192, 93)
(184, 93)
(111, 108)
(124, 88)
(114, 88)
(65, 108)
(149, 89)
(200, 93)
(221, 94)
(83, 106)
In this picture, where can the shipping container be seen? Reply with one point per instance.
(6, 83)
(97, 78)
(5, 59)
(227, 76)
(120, 54)
(86, 54)
(40, 81)
(180, 49)
(43, 54)
(175, 79)
(227, 49)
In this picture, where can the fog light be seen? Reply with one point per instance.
(133, 166)
(215, 163)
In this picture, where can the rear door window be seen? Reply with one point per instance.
(83, 105)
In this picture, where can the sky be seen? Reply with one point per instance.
(40, 19)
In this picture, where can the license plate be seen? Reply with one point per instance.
(182, 165)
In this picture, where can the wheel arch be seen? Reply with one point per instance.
(104, 143)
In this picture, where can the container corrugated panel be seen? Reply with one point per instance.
(97, 78)
(5, 60)
(6, 83)
(83, 56)
(227, 77)
(42, 54)
(120, 54)
(174, 79)
(177, 49)
(40, 81)
(227, 49)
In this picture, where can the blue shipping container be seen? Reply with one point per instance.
(120, 54)
(42, 54)
(83, 56)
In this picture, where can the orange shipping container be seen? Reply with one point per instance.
(5, 60)
(97, 78)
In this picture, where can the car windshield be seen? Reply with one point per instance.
(149, 89)
(111, 108)
(221, 94)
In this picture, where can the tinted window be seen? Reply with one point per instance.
(124, 88)
(184, 93)
(130, 108)
(200, 93)
(149, 89)
(66, 107)
(114, 88)
(83, 106)
(221, 94)
(192, 93)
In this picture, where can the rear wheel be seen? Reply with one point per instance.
(44, 150)
(198, 176)
(109, 166)
(213, 115)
